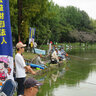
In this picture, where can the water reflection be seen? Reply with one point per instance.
(76, 78)
(59, 74)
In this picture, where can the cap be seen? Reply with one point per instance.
(20, 44)
(31, 82)
(51, 42)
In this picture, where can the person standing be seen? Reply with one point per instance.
(20, 68)
(50, 47)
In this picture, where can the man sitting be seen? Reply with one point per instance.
(54, 56)
(61, 55)
(39, 62)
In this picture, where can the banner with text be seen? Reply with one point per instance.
(6, 52)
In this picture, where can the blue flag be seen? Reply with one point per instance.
(32, 35)
(6, 53)
(5, 29)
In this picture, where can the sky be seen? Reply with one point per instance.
(89, 6)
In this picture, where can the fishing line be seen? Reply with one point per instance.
(80, 81)
(80, 57)
(89, 83)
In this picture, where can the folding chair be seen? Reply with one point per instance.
(8, 88)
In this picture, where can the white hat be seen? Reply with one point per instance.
(20, 44)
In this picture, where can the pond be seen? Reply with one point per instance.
(76, 78)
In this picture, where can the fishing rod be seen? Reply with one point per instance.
(42, 43)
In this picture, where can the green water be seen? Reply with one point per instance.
(76, 78)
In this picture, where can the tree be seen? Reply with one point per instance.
(13, 19)
(52, 22)
(19, 2)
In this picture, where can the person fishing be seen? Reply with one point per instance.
(39, 61)
(21, 68)
(54, 56)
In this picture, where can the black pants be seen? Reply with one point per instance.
(20, 89)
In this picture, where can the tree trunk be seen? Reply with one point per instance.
(19, 2)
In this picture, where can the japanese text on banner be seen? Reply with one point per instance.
(2, 24)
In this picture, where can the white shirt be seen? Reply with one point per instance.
(35, 44)
(38, 61)
(54, 55)
(59, 53)
(20, 64)
(50, 46)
